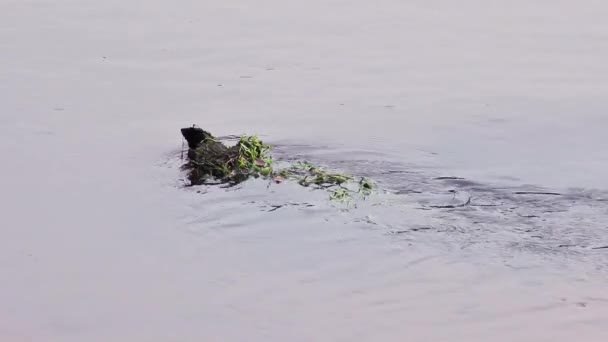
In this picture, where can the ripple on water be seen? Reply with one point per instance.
(472, 214)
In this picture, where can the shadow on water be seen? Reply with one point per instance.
(470, 213)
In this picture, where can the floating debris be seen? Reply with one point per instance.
(212, 162)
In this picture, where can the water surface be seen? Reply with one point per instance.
(482, 122)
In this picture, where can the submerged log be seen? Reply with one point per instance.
(194, 135)
(210, 158)
(212, 162)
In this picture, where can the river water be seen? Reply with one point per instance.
(482, 122)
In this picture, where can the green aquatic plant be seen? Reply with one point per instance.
(342, 187)
(210, 161)
(254, 154)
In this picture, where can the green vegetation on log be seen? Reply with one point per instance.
(212, 162)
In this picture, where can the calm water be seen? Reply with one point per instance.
(499, 106)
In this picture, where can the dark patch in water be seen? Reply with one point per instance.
(524, 217)
(410, 230)
(388, 172)
(275, 207)
(463, 183)
(407, 191)
(537, 193)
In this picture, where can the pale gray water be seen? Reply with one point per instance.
(100, 242)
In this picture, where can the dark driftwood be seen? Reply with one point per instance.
(212, 162)
(195, 135)
(209, 158)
